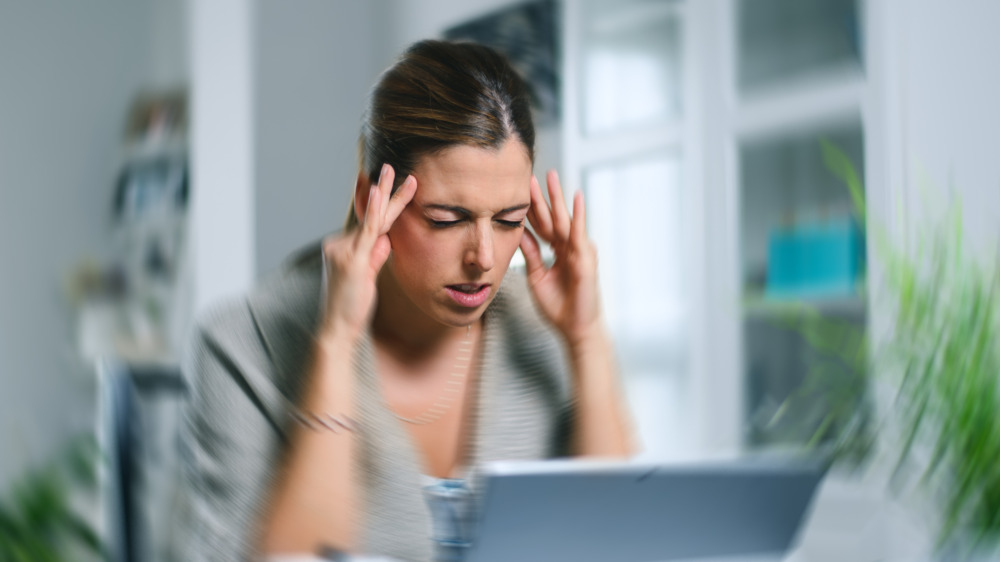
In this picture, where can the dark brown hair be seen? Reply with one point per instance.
(441, 94)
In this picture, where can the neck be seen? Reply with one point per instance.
(399, 322)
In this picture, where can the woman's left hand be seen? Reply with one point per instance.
(567, 292)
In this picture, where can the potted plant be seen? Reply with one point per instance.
(943, 358)
(38, 522)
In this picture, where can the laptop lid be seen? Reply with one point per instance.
(580, 511)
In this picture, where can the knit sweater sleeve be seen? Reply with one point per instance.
(229, 439)
(539, 355)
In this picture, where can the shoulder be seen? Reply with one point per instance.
(253, 344)
(282, 305)
(292, 290)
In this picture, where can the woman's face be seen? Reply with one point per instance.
(452, 244)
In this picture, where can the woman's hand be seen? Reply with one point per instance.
(567, 293)
(353, 259)
(315, 501)
(568, 296)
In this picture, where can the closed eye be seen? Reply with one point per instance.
(504, 223)
(443, 224)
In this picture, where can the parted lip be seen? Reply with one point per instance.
(467, 287)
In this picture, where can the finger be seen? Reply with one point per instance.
(399, 202)
(385, 183)
(560, 215)
(369, 228)
(532, 254)
(326, 249)
(380, 252)
(539, 215)
(578, 232)
(375, 212)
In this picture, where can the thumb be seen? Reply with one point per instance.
(380, 252)
(532, 255)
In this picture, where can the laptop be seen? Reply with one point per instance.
(747, 509)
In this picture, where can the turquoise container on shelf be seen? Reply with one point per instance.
(815, 259)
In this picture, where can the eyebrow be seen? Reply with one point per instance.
(465, 212)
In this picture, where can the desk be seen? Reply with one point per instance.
(860, 520)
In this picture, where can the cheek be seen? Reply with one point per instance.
(413, 247)
(507, 243)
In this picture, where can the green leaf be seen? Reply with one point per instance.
(840, 164)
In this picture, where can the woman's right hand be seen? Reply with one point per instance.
(353, 259)
(316, 500)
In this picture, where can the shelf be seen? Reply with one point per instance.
(626, 143)
(757, 305)
(784, 183)
(629, 17)
(781, 40)
(168, 146)
(802, 105)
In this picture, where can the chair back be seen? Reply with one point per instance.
(137, 417)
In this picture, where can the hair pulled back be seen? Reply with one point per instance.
(441, 94)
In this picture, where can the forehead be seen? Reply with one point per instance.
(475, 178)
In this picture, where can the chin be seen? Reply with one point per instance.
(461, 319)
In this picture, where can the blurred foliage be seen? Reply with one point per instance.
(37, 521)
(945, 349)
(946, 345)
(831, 410)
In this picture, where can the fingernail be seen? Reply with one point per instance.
(385, 168)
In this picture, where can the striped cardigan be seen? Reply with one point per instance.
(245, 366)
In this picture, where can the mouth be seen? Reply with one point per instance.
(469, 295)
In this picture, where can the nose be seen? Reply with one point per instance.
(480, 252)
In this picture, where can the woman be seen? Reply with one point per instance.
(401, 349)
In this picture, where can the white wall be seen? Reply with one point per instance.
(943, 113)
(169, 38)
(314, 66)
(222, 149)
(952, 105)
(68, 72)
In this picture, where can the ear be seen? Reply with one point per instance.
(361, 188)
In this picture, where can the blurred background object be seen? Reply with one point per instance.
(137, 413)
(694, 128)
(528, 35)
(134, 308)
